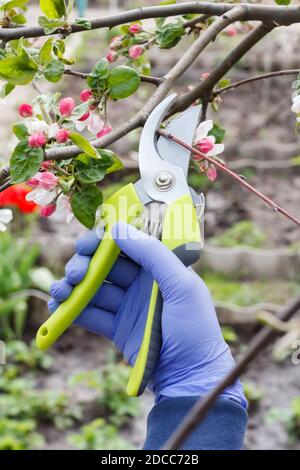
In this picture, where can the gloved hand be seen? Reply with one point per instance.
(194, 356)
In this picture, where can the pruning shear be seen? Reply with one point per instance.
(163, 166)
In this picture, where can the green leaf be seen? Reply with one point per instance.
(20, 131)
(115, 166)
(25, 162)
(59, 47)
(53, 8)
(9, 4)
(18, 19)
(123, 81)
(18, 70)
(45, 54)
(283, 2)
(224, 82)
(54, 71)
(169, 35)
(92, 172)
(83, 144)
(50, 26)
(83, 22)
(218, 133)
(85, 202)
(6, 89)
(98, 78)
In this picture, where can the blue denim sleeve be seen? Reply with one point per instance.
(223, 428)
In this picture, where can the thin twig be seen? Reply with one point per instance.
(280, 15)
(264, 76)
(161, 91)
(207, 85)
(232, 174)
(203, 405)
(194, 21)
(144, 78)
(6, 184)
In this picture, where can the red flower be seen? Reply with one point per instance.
(15, 196)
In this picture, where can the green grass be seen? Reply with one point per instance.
(243, 233)
(247, 293)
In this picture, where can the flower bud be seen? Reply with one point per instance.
(112, 56)
(36, 140)
(62, 136)
(86, 95)
(25, 110)
(205, 145)
(135, 28)
(46, 211)
(135, 51)
(212, 173)
(66, 106)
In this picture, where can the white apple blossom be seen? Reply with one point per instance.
(93, 123)
(6, 216)
(35, 125)
(63, 209)
(296, 104)
(52, 130)
(202, 133)
(40, 196)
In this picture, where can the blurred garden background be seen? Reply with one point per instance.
(74, 396)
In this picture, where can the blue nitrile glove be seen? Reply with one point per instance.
(194, 356)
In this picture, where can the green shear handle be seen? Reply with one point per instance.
(181, 234)
(123, 205)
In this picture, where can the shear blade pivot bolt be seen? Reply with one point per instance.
(164, 181)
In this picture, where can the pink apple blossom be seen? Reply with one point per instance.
(135, 28)
(212, 173)
(86, 95)
(205, 145)
(135, 51)
(46, 211)
(45, 179)
(112, 56)
(62, 136)
(37, 139)
(33, 182)
(66, 106)
(209, 140)
(93, 123)
(41, 196)
(106, 130)
(25, 110)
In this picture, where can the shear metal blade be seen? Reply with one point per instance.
(183, 127)
(169, 159)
